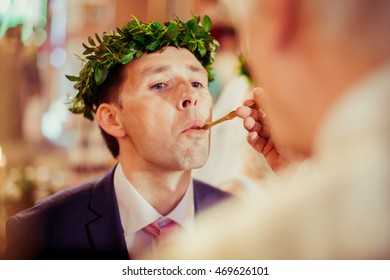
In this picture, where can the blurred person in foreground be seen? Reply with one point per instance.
(325, 69)
(147, 85)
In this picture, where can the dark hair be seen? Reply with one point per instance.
(108, 92)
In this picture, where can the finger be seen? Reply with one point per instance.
(259, 97)
(257, 112)
(258, 93)
(258, 127)
(249, 101)
(264, 131)
(256, 142)
(268, 147)
(261, 116)
(252, 137)
(243, 112)
(251, 125)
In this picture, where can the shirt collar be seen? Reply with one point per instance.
(136, 212)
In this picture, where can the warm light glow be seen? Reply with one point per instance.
(2, 158)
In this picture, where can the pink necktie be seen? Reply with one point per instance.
(161, 228)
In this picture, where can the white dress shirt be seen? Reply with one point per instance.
(136, 213)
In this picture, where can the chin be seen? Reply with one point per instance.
(191, 160)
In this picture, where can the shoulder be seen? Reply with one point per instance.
(72, 200)
(69, 198)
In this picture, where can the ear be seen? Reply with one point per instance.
(286, 13)
(108, 119)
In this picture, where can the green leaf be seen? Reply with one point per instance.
(100, 75)
(191, 23)
(199, 31)
(202, 49)
(88, 51)
(154, 45)
(72, 78)
(91, 41)
(192, 47)
(98, 38)
(210, 73)
(102, 47)
(127, 58)
(176, 41)
(156, 25)
(207, 23)
(139, 53)
(172, 31)
(139, 38)
(76, 110)
(119, 31)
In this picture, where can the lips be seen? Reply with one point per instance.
(194, 126)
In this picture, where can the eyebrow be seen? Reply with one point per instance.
(164, 68)
(194, 68)
(155, 70)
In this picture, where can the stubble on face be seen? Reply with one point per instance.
(195, 157)
(154, 124)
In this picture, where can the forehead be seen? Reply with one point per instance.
(164, 60)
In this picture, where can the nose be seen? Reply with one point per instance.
(187, 102)
(188, 96)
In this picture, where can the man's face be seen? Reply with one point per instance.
(164, 102)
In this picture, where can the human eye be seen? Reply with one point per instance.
(196, 85)
(158, 86)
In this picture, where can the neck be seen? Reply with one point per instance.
(163, 189)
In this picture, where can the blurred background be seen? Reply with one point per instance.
(43, 148)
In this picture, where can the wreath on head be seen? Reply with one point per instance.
(131, 41)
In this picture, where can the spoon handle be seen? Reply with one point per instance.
(227, 117)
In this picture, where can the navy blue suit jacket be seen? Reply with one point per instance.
(81, 222)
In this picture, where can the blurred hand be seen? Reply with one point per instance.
(259, 137)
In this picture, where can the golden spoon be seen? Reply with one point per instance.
(229, 116)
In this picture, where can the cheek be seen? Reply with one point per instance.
(204, 106)
(142, 119)
(208, 105)
(159, 119)
(151, 132)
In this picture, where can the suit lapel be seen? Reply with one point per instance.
(105, 232)
(206, 196)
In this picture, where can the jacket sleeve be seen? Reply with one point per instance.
(18, 244)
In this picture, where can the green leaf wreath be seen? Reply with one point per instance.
(131, 41)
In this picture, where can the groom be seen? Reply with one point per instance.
(147, 87)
